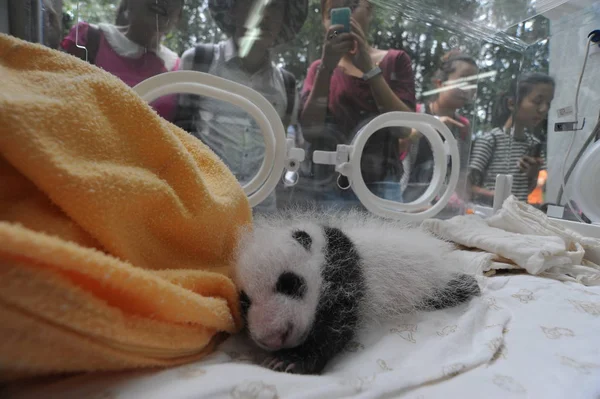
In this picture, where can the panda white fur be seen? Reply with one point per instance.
(308, 281)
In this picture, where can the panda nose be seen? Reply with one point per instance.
(277, 339)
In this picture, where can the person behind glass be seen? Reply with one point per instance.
(52, 25)
(244, 57)
(511, 148)
(352, 83)
(416, 150)
(131, 48)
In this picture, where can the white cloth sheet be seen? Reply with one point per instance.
(519, 217)
(526, 337)
(551, 348)
(522, 235)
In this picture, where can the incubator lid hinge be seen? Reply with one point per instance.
(339, 158)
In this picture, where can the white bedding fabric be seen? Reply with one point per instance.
(520, 234)
(526, 337)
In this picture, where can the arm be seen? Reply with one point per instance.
(316, 89)
(531, 166)
(415, 135)
(543, 167)
(477, 190)
(532, 163)
(387, 98)
(399, 96)
(406, 143)
(318, 79)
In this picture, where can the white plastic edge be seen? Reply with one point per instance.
(198, 83)
(585, 183)
(438, 173)
(427, 125)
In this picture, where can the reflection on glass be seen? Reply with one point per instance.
(451, 93)
(456, 60)
(351, 83)
(511, 146)
(252, 29)
(130, 46)
(52, 28)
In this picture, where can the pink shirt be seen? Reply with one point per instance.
(350, 98)
(127, 60)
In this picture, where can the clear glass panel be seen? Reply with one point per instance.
(4, 20)
(24, 19)
(459, 60)
(52, 26)
(491, 15)
(569, 30)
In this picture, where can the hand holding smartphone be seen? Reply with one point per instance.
(341, 16)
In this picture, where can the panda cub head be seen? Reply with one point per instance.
(278, 273)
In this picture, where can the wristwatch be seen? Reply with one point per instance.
(372, 73)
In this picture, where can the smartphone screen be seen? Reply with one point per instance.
(341, 16)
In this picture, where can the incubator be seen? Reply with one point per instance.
(440, 108)
(120, 208)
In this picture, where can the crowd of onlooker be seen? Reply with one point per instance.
(347, 86)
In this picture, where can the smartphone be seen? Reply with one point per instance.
(341, 16)
(536, 150)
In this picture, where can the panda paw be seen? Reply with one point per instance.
(281, 364)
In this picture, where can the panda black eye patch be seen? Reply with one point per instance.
(292, 285)
(303, 238)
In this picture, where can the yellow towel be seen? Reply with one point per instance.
(116, 227)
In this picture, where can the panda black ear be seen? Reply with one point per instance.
(303, 238)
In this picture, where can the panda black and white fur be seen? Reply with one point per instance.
(309, 281)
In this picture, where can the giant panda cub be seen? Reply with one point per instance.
(309, 281)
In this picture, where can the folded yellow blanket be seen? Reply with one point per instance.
(116, 227)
